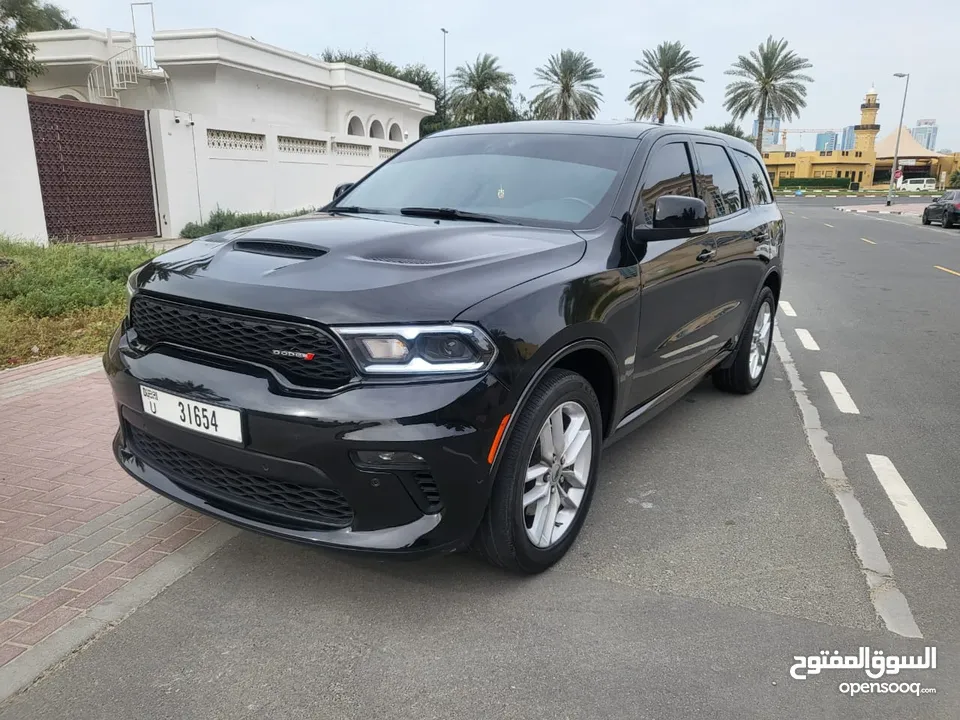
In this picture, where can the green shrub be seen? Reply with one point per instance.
(60, 279)
(221, 220)
(843, 183)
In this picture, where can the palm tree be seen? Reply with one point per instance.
(669, 85)
(568, 89)
(772, 84)
(728, 128)
(481, 92)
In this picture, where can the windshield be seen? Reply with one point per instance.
(533, 179)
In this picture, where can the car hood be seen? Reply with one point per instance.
(337, 269)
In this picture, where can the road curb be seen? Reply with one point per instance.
(48, 654)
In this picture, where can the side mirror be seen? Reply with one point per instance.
(675, 212)
(341, 189)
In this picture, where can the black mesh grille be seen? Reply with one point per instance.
(431, 492)
(322, 506)
(244, 338)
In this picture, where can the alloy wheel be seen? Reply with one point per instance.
(557, 474)
(760, 340)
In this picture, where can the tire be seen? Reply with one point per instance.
(503, 537)
(738, 378)
(947, 220)
(925, 219)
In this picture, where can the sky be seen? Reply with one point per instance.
(852, 44)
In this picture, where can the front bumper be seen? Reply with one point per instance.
(295, 476)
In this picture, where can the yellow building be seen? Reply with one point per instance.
(857, 164)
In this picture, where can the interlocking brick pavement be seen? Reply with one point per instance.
(74, 527)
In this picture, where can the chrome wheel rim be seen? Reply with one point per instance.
(557, 475)
(760, 340)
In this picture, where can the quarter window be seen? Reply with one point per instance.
(668, 172)
(721, 189)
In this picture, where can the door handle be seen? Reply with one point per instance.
(706, 254)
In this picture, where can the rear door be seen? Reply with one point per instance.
(743, 222)
(676, 334)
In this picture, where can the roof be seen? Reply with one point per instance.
(565, 127)
(909, 147)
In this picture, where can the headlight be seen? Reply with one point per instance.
(418, 349)
(132, 281)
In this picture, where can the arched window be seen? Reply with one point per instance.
(355, 127)
(376, 129)
(395, 133)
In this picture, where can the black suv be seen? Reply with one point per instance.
(945, 210)
(438, 358)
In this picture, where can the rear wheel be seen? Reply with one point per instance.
(753, 352)
(546, 477)
(947, 220)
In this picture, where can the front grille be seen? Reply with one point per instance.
(323, 506)
(244, 338)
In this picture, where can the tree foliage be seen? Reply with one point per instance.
(771, 83)
(482, 92)
(669, 85)
(17, 65)
(34, 16)
(569, 92)
(728, 128)
(955, 179)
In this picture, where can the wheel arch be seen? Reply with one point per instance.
(589, 357)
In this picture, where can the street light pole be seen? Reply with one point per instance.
(896, 148)
(443, 120)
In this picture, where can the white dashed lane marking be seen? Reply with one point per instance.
(806, 339)
(915, 518)
(838, 392)
(787, 309)
(828, 225)
(868, 241)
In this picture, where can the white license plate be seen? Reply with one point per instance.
(213, 420)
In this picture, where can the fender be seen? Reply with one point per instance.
(591, 343)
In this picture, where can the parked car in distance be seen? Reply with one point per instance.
(438, 358)
(928, 183)
(944, 210)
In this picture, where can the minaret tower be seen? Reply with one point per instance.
(865, 133)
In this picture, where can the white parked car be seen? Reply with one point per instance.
(919, 184)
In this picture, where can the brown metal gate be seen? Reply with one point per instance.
(95, 173)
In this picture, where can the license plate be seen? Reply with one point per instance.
(213, 420)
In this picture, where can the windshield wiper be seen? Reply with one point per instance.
(356, 209)
(450, 214)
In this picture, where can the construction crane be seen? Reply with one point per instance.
(783, 136)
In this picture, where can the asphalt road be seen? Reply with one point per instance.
(715, 552)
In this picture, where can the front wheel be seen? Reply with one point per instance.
(753, 352)
(542, 490)
(925, 219)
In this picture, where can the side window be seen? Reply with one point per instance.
(667, 172)
(758, 186)
(721, 189)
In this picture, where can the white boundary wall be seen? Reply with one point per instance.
(21, 206)
(202, 163)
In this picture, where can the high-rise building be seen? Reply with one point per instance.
(848, 138)
(827, 141)
(925, 133)
(771, 130)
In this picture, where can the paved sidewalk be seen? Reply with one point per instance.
(77, 534)
(884, 209)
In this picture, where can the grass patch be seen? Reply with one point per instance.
(221, 220)
(61, 300)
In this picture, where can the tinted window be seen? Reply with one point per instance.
(667, 172)
(547, 179)
(720, 187)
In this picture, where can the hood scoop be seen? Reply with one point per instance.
(279, 249)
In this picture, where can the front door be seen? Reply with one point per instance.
(677, 330)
